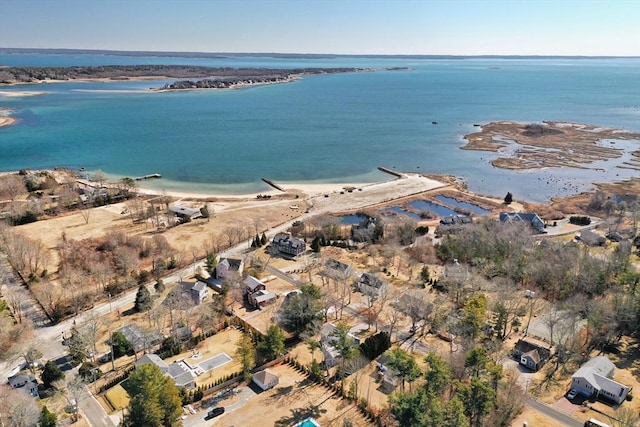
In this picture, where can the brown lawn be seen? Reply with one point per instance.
(292, 400)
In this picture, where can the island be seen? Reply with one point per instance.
(551, 144)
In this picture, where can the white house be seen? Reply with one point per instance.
(595, 379)
(199, 292)
(227, 267)
(266, 379)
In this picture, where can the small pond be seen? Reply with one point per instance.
(464, 205)
(352, 219)
(400, 211)
(423, 205)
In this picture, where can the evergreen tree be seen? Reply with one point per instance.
(48, 418)
(143, 299)
(211, 262)
(263, 239)
(404, 364)
(155, 400)
(477, 399)
(424, 274)
(409, 408)
(437, 374)
(120, 345)
(272, 344)
(159, 286)
(51, 373)
(301, 313)
(508, 198)
(315, 244)
(246, 352)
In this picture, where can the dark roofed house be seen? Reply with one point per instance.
(198, 291)
(531, 219)
(138, 339)
(185, 212)
(532, 353)
(26, 383)
(363, 231)
(452, 223)
(286, 244)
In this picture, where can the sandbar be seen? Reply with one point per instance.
(20, 94)
(6, 121)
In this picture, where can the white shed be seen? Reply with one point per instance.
(266, 379)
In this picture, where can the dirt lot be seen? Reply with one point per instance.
(292, 400)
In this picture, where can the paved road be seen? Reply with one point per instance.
(550, 412)
(94, 412)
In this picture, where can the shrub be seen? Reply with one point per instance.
(580, 220)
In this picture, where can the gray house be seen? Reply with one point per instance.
(286, 244)
(370, 284)
(595, 379)
(25, 383)
(152, 358)
(531, 219)
(337, 270)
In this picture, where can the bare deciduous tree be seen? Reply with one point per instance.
(17, 409)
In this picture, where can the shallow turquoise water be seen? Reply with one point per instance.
(320, 128)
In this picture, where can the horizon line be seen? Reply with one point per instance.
(292, 55)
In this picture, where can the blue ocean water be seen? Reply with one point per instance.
(320, 128)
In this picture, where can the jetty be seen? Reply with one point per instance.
(150, 176)
(390, 172)
(274, 185)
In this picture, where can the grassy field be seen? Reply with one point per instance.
(117, 397)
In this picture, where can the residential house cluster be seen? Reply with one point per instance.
(328, 339)
(255, 291)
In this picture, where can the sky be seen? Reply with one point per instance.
(429, 27)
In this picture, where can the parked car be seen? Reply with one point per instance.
(572, 394)
(215, 412)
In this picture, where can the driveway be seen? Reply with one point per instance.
(244, 394)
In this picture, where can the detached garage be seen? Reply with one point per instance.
(265, 379)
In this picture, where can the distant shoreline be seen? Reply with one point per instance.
(207, 77)
(226, 55)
